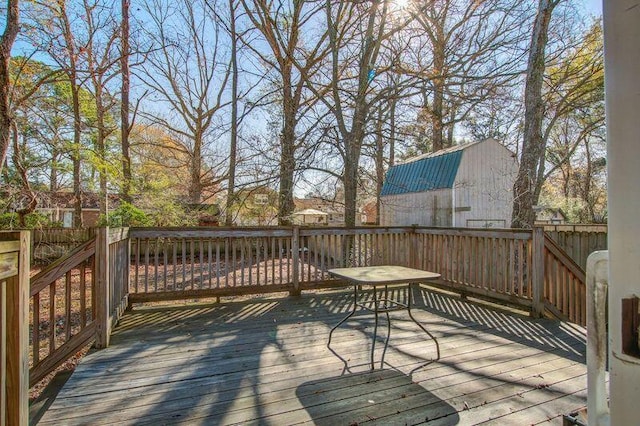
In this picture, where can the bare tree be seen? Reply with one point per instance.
(294, 55)
(6, 43)
(101, 57)
(561, 84)
(468, 50)
(125, 126)
(53, 33)
(523, 215)
(356, 34)
(38, 126)
(188, 72)
(233, 134)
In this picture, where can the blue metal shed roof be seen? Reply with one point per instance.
(426, 174)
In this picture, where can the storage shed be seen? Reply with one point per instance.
(467, 185)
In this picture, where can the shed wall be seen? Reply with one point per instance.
(484, 186)
(430, 208)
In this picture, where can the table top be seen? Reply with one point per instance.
(384, 274)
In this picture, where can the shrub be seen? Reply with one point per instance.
(32, 221)
(126, 215)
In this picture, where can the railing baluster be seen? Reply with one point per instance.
(52, 317)
(243, 259)
(209, 255)
(217, 263)
(35, 332)
(192, 263)
(201, 248)
(257, 244)
(165, 261)
(83, 295)
(67, 306)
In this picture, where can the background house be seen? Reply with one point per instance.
(310, 217)
(549, 215)
(255, 206)
(333, 209)
(59, 207)
(464, 186)
(369, 213)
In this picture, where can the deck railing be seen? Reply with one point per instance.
(503, 265)
(62, 310)
(76, 299)
(565, 291)
(492, 263)
(578, 241)
(185, 263)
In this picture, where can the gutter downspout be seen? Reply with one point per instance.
(597, 285)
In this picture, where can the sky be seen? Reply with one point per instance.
(594, 6)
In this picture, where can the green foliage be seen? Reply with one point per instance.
(126, 215)
(162, 213)
(33, 220)
(169, 213)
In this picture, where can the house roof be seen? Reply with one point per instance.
(310, 212)
(327, 206)
(66, 199)
(425, 172)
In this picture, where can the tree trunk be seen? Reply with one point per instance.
(350, 179)
(6, 43)
(75, 154)
(233, 142)
(392, 134)
(124, 104)
(586, 187)
(24, 179)
(101, 150)
(533, 145)
(379, 161)
(195, 187)
(437, 111)
(287, 167)
(53, 173)
(72, 74)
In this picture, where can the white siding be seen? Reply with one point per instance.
(482, 194)
(432, 208)
(484, 184)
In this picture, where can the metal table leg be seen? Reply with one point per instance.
(355, 306)
(410, 302)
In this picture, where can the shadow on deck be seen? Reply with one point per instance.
(265, 361)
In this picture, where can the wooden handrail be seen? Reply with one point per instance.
(565, 284)
(566, 260)
(61, 266)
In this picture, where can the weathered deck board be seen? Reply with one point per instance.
(265, 361)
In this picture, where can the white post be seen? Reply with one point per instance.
(597, 282)
(622, 89)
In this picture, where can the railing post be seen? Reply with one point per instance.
(295, 248)
(127, 273)
(413, 248)
(103, 322)
(16, 410)
(537, 271)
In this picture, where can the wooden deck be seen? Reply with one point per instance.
(265, 361)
